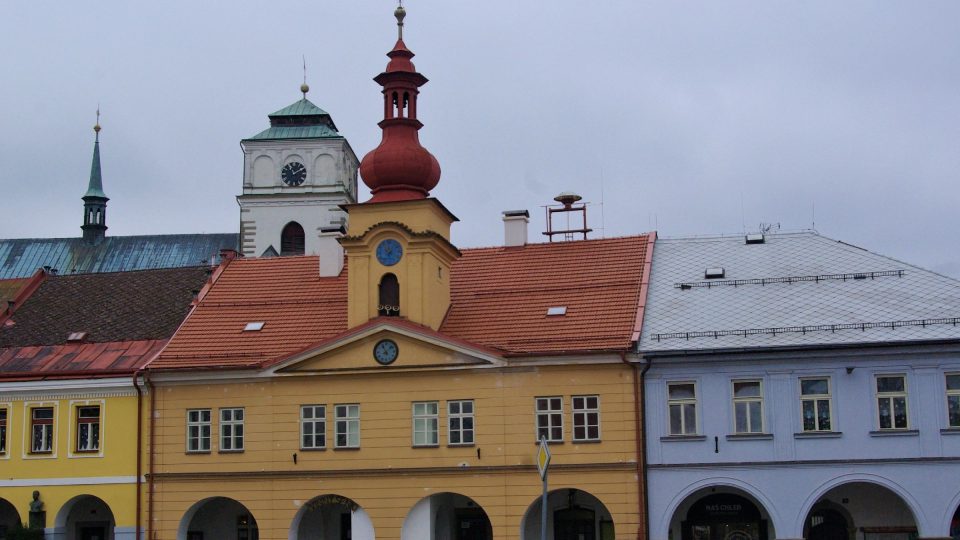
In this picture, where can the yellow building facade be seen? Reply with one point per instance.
(76, 445)
(405, 397)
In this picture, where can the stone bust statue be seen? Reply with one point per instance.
(38, 517)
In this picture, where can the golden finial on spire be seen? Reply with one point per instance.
(303, 87)
(96, 127)
(400, 13)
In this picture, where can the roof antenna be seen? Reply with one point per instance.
(303, 87)
(813, 214)
(400, 13)
(603, 228)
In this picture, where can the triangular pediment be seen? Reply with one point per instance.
(403, 346)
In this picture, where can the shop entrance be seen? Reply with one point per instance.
(724, 516)
(827, 524)
(574, 523)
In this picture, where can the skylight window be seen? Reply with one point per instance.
(556, 311)
(715, 272)
(254, 326)
(76, 336)
(754, 238)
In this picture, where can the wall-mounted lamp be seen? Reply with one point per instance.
(850, 369)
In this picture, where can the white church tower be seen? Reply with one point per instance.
(296, 173)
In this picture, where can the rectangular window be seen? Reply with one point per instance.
(3, 431)
(892, 401)
(460, 422)
(313, 427)
(682, 405)
(815, 404)
(953, 400)
(88, 429)
(550, 418)
(586, 418)
(347, 426)
(41, 421)
(426, 423)
(748, 407)
(198, 430)
(231, 430)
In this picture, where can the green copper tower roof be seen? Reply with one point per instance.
(95, 188)
(303, 107)
(299, 120)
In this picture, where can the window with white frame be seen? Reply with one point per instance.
(892, 402)
(3, 430)
(460, 422)
(313, 427)
(748, 406)
(953, 400)
(682, 407)
(198, 430)
(347, 426)
(41, 428)
(231, 430)
(88, 428)
(586, 418)
(426, 423)
(550, 418)
(815, 399)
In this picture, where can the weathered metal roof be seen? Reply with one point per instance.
(22, 257)
(296, 132)
(95, 188)
(793, 289)
(303, 107)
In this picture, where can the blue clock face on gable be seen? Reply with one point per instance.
(389, 252)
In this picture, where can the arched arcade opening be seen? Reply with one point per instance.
(860, 511)
(572, 514)
(218, 518)
(9, 517)
(85, 517)
(721, 513)
(446, 516)
(331, 517)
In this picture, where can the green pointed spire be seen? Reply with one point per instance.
(95, 189)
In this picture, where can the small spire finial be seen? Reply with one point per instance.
(400, 13)
(303, 87)
(96, 127)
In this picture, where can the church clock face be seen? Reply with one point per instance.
(389, 252)
(293, 173)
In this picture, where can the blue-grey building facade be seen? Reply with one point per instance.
(799, 387)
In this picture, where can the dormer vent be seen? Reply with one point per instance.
(556, 311)
(254, 326)
(77, 337)
(714, 272)
(755, 238)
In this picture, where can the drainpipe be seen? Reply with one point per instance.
(643, 431)
(136, 375)
(639, 431)
(153, 407)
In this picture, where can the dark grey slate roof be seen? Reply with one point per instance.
(795, 289)
(22, 257)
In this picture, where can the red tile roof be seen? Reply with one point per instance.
(298, 307)
(86, 359)
(500, 296)
(499, 300)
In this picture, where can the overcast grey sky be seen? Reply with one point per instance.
(695, 117)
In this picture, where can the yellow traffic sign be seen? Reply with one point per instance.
(543, 458)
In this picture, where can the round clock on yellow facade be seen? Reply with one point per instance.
(389, 252)
(385, 351)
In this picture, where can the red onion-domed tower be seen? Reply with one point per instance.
(400, 168)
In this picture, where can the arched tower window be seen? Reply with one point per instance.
(389, 303)
(292, 239)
